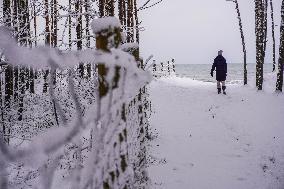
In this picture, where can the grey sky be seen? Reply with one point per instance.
(192, 31)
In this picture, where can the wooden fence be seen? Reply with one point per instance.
(78, 132)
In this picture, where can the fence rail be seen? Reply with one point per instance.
(162, 69)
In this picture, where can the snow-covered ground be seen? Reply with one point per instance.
(210, 141)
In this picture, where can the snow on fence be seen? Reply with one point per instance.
(94, 141)
(162, 69)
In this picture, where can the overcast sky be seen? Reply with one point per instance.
(192, 31)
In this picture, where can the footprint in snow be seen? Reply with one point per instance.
(241, 179)
(272, 160)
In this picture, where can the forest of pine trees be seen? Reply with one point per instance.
(261, 30)
(27, 102)
(55, 24)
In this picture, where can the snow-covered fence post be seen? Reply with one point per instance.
(154, 68)
(104, 35)
(169, 69)
(107, 31)
(133, 49)
(140, 103)
(174, 67)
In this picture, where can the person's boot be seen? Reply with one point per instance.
(224, 90)
(219, 90)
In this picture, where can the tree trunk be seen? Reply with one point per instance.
(78, 8)
(70, 25)
(45, 78)
(9, 89)
(9, 85)
(265, 23)
(243, 41)
(1, 107)
(28, 24)
(16, 84)
(101, 8)
(52, 23)
(87, 16)
(55, 22)
(109, 7)
(122, 12)
(88, 38)
(31, 80)
(260, 40)
(24, 30)
(279, 84)
(47, 24)
(7, 13)
(15, 16)
(130, 22)
(22, 93)
(273, 34)
(136, 22)
(35, 23)
(79, 32)
(54, 32)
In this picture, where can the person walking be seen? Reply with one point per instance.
(220, 65)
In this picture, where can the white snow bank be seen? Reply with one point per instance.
(211, 141)
(105, 23)
(129, 46)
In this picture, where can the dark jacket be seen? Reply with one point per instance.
(220, 65)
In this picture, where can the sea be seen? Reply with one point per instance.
(201, 72)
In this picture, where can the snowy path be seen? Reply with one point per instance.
(210, 141)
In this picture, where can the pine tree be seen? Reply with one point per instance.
(25, 39)
(54, 18)
(243, 41)
(54, 11)
(22, 88)
(15, 16)
(16, 83)
(47, 23)
(279, 84)
(101, 8)
(47, 41)
(87, 17)
(122, 12)
(8, 95)
(265, 28)
(7, 12)
(35, 22)
(87, 31)
(70, 24)
(79, 32)
(78, 9)
(130, 22)
(136, 22)
(109, 7)
(261, 32)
